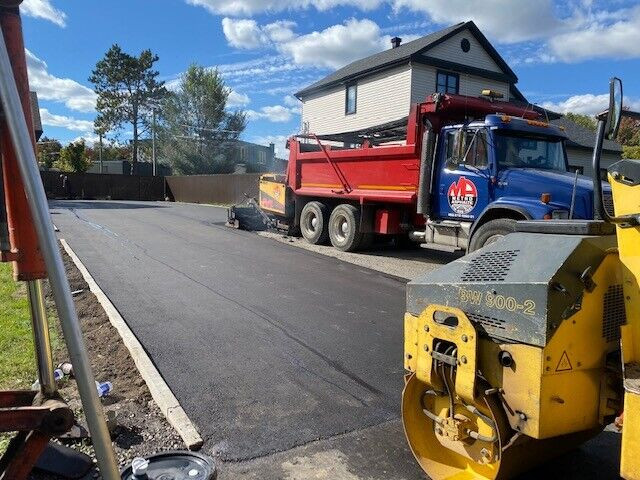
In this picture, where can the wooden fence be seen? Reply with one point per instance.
(216, 189)
(90, 186)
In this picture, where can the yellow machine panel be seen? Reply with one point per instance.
(626, 195)
(273, 194)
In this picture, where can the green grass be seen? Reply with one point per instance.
(17, 358)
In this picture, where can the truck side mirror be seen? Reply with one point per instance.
(614, 114)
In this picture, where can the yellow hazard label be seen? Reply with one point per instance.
(564, 365)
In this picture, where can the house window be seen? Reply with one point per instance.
(447, 82)
(351, 99)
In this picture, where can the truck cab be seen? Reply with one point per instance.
(490, 173)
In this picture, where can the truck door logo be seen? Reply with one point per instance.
(462, 196)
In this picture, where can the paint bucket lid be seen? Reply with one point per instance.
(179, 465)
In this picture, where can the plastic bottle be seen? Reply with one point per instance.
(57, 375)
(104, 388)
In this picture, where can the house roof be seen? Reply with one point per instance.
(407, 52)
(581, 137)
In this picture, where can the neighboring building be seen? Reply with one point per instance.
(124, 167)
(580, 147)
(381, 88)
(255, 158)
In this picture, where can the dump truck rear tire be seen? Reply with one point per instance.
(344, 228)
(314, 219)
(490, 232)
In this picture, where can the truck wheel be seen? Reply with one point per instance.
(344, 228)
(490, 232)
(313, 223)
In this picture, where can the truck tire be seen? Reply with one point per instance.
(490, 232)
(313, 223)
(344, 228)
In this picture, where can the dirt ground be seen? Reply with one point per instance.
(137, 426)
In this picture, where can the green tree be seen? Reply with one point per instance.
(629, 132)
(48, 150)
(73, 158)
(582, 120)
(631, 151)
(198, 134)
(127, 88)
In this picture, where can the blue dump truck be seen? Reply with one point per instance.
(458, 172)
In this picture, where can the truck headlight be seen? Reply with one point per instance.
(560, 214)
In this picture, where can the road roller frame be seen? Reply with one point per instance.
(529, 347)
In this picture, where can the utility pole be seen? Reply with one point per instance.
(100, 151)
(153, 140)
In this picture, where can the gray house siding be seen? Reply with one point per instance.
(581, 158)
(451, 51)
(423, 83)
(380, 98)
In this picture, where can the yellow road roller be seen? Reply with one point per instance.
(530, 346)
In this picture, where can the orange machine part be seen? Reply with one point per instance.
(28, 263)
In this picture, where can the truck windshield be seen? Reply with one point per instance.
(518, 151)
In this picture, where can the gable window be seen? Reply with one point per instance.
(447, 82)
(351, 99)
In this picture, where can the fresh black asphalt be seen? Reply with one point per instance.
(265, 346)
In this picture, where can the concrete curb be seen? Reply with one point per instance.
(160, 391)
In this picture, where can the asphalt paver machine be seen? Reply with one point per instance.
(530, 346)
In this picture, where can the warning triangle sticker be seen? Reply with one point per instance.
(564, 365)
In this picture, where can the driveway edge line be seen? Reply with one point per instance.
(160, 391)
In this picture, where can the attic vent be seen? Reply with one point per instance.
(614, 314)
(486, 321)
(490, 266)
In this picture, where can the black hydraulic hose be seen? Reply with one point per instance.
(426, 159)
(599, 211)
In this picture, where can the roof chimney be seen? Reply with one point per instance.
(395, 42)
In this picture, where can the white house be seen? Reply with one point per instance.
(381, 88)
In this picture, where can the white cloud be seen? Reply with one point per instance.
(250, 7)
(594, 38)
(505, 20)
(274, 113)
(237, 99)
(43, 9)
(336, 45)
(246, 33)
(90, 139)
(291, 101)
(52, 120)
(242, 33)
(588, 104)
(49, 87)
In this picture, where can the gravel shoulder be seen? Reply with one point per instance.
(403, 263)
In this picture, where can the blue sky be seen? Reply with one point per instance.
(563, 52)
